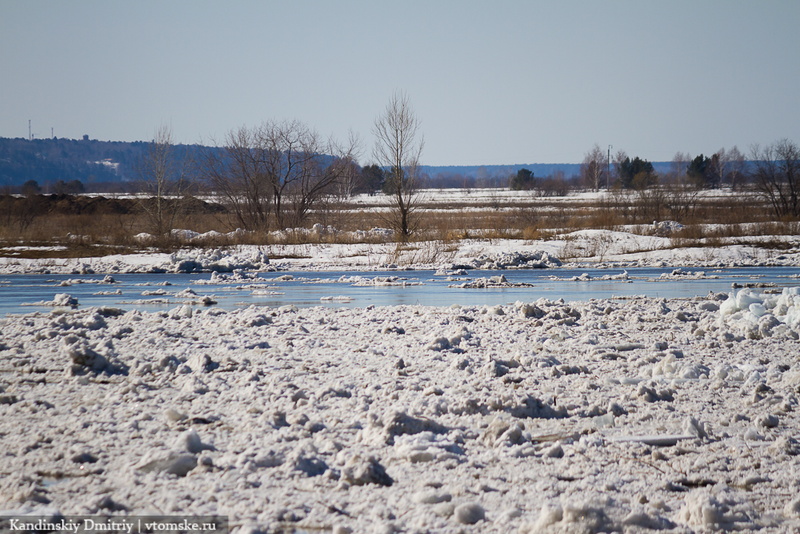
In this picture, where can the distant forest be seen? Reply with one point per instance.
(112, 166)
(87, 165)
(68, 161)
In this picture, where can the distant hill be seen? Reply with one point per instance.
(48, 161)
(539, 170)
(89, 161)
(500, 171)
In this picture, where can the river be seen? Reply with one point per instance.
(159, 292)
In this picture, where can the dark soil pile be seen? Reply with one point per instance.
(80, 205)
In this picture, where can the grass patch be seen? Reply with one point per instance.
(710, 221)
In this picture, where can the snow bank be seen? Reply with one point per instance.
(190, 236)
(219, 260)
(515, 260)
(184, 261)
(665, 228)
(586, 277)
(755, 315)
(540, 416)
(60, 300)
(491, 282)
(379, 281)
(683, 274)
(374, 250)
(374, 233)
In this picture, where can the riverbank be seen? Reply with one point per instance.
(595, 248)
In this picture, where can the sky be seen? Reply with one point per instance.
(497, 82)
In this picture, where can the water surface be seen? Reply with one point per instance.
(24, 293)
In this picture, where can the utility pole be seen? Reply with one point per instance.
(30, 136)
(608, 169)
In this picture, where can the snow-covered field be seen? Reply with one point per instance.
(606, 415)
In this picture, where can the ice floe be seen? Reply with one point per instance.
(545, 416)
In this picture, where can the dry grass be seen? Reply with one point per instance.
(709, 221)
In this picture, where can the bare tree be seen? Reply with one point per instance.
(716, 168)
(278, 170)
(777, 176)
(398, 147)
(238, 171)
(618, 161)
(593, 168)
(322, 174)
(163, 176)
(735, 166)
(680, 162)
(291, 150)
(346, 166)
(680, 196)
(350, 180)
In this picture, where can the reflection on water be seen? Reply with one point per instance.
(154, 292)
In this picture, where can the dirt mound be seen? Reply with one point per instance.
(80, 204)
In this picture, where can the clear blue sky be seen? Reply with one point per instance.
(493, 82)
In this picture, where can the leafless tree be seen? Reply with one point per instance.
(346, 166)
(163, 178)
(20, 212)
(292, 152)
(680, 196)
(777, 176)
(680, 162)
(593, 168)
(350, 179)
(278, 170)
(398, 147)
(618, 160)
(680, 200)
(735, 165)
(322, 174)
(238, 171)
(716, 169)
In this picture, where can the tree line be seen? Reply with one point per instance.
(273, 175)
(773, 171)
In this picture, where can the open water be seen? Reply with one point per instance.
(159, 292)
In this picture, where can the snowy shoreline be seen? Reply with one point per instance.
(546, 416)
(581, 249)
